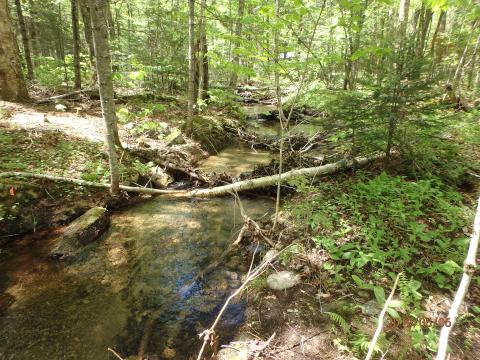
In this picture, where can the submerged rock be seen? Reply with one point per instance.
(283, 280)
(82, 231)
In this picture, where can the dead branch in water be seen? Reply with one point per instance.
(209, 334)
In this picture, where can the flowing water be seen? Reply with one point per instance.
(137, 278)
(235, 160)
(257, 112)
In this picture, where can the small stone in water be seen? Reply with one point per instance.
(283, 280)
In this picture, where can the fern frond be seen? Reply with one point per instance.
(340, 321)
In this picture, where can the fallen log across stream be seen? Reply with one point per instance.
(236, 187)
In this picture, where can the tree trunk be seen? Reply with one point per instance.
(25, 40)
(402, 31)
(111, 23)
(436, 48)
(423, 32)
(206, 77)
(76, 45)
(238, 33)
(457, 78)
(403, 18)
(12, 83)
(102, 52)
(191, 66)
(201, 48)
(33, 29)
(87, 30)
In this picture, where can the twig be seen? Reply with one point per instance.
(115, 353)
(208, 335)
(381, 319)
(468, 272)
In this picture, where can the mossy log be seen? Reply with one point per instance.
(82, 231)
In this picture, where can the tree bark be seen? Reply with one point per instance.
(87, 31)
(273, 179)
(33, 29)
(111, 23)
(76, 45)
(238, 33)
(457, 78)
(201, 48)
(12, 83)
(25, 40)
(191, 66)
(102, 52)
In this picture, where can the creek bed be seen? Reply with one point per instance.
(142, 267)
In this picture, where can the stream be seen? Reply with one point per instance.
(141, 269)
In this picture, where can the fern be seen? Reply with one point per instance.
(361, 342)
(340, 321)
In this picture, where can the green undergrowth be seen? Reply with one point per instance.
(372, 227)
(53, 153)
(29, 204)
(386, 224)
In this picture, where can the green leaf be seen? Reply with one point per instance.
(379, 294)
(449, 267)
(393, 313)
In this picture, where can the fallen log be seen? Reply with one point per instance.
(89, 92)
(194, 174)
(134, 189)
(239, 186)
(273, 179)
(82, 231)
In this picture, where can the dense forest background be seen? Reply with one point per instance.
(380, 98)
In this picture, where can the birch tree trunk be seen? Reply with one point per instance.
(25, 40)
(76, 46)
(102, 52)
(12, 83)
(191, 66)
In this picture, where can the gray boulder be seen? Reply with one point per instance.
(283, 280)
